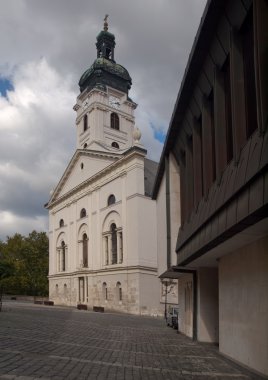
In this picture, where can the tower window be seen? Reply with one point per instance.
(85, 145)
(83, 213)
(114, 121)
(111, 200)
(115, 145)
(82, 166)
(85, 123)
(61, 223)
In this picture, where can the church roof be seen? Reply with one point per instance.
(150, 170)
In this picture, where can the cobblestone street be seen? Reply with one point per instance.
(63, 343)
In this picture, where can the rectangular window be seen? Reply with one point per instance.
(212, 125)
(228, 110)
(199, 122)
(249, 74)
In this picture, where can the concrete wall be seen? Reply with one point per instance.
(243, 301)
(207, 305)
(186, 305)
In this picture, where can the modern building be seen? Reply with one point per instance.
(102, 220)
(214, 172)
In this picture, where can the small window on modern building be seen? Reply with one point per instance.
(85, 123)
(114, 121)
(111, 200)
(61, 223)
(83, 213)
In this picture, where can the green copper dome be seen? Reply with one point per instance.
(105, 71)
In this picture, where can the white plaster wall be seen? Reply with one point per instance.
(185, 316)
(149, 296)
(161, 219)
(92, 166)
(207, 305)
(135, 179)
(98, 111)
(146, 226)
(243, 301)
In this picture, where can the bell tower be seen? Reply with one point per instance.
(105, 113)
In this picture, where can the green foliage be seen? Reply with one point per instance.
(24, 264)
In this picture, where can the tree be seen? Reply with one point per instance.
(28, 258)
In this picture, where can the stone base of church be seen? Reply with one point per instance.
(139, 292)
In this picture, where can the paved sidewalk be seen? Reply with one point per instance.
(39, 342)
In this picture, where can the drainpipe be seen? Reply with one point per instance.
(168, 212)
(194, 273)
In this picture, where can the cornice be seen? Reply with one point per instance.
(133, 268)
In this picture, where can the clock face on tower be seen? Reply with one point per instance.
(85, 103)
(114, 102)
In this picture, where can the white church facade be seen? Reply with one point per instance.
(102, 220)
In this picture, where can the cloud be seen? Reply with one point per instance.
(45, 48)
(37, 137)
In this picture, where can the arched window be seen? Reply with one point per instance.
(85, 249)
(111, 200)
(85, 122)
(119, 291)
(83, 213)
(115, 145)
(57, 290)
(63, 251)
(104, 291)
(61, 223)
(65, 290)
(114, 243)
(85, 145)
(114, 121)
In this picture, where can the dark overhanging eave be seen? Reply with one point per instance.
(176, 271)
(196, 57)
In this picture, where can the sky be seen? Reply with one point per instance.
(45, 48)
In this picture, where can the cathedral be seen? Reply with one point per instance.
(102, 220)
